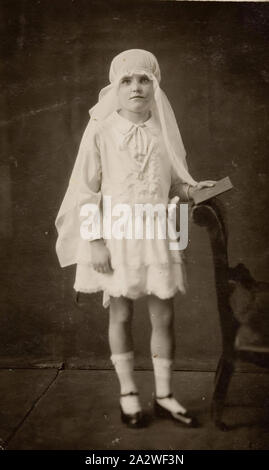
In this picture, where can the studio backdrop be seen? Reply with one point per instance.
(55, 57)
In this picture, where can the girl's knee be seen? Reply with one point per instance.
(161, 312)
(120, 310)
(161, 320)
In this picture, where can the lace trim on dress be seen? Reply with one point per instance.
(120, 293)
(163, 282)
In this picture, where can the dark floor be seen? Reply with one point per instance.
(78, 409)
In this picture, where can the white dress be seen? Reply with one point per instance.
(129, 164)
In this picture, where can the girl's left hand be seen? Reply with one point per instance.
(200, 185)
(205, 184)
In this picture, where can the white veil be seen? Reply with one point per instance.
(70, 247)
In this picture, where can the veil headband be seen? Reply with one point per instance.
(70, 247)
(137, 59)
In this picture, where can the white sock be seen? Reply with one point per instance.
(163, 374)
(124, 366)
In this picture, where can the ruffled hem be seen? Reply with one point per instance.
(162, 281)
(106, 295)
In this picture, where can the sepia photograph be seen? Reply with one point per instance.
(134, 228)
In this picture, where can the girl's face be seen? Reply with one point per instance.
(135, 93)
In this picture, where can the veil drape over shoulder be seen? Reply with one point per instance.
(70, 247)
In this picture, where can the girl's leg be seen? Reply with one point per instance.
(163, 349)
(120, 325)
(122, 356)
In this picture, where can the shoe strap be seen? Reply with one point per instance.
(166, 396)
(127, 394)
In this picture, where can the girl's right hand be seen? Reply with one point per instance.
(100, 257)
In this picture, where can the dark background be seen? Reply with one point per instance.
(55, 57)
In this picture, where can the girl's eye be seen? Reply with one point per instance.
(144, 80)
(126, 81)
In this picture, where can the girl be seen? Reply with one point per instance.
(131, 153)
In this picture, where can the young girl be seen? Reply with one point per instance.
(131, 153)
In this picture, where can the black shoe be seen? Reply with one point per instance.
(135, 420)
(184, 419)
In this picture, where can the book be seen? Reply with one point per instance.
(221, 186)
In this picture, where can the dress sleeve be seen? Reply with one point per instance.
(91, 180)
(178, 188)
(91, 173)
(84, 188)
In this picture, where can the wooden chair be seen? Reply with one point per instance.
(243, 306)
